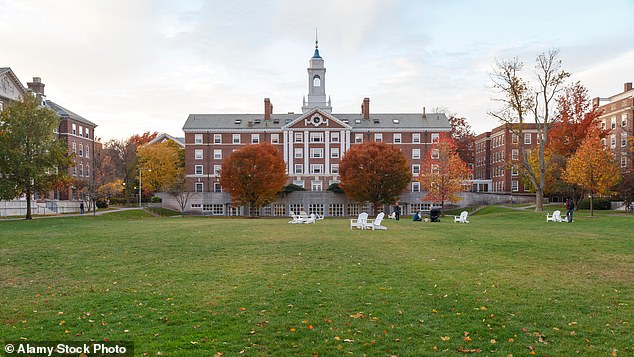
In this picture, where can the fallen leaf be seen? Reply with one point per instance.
(472, 350)
(310, 327)
(467, 339)
(493, 341)
(572, 323)
(292, 329)
(358, 315)
(348, 340)
(445, 338)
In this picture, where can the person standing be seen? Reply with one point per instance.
(570, 207)
(81, 207)
(397, 211)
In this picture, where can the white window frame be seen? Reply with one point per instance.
(624, 120)
(87, 152)
(300, 167)
(316, 153)
(415, 154)
(217, 169)
(316, 169)
(416, 169)
(198, 170)
(515, 154)
(81, 149)
(415, 138)
(515, 185)
(334, 153)
(217, 187)
(623, 140)
(397, 138)
(87, 170)
(623, 159)
(198, 154)
(317, 185)
(217, 138)
(199, 187)
(415, 186)
(334, 137)
(74, 129)
(217, 154)
(378, 137)
(235, 138)
(298, 137)
(613, 122)
(334, 169)
(275, 138)
(255, 138)
(435, 137)
(613, 141)
(87, 133)
(435, 154)
(299, 183)
(358, 138)
(198, 138)
(299, 153)
(527, 138)
(316, 137)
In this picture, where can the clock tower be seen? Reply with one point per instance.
(316, 84)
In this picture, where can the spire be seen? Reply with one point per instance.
(316, 55)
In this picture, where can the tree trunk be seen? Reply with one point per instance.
(28, 203)
(591, 198)
(539, 200)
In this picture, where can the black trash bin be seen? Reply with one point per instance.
(434, 215)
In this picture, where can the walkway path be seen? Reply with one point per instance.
(88, 214)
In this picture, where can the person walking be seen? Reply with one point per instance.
(570, 207)
(397, 211)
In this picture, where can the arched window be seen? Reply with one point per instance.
(316, 81)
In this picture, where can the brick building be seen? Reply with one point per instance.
(617, 116)
(498, 161)
(312, 142)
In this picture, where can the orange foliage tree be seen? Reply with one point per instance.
(374, 172)
(164, 162)
(443, 172)
(254, 175)
(592, 167)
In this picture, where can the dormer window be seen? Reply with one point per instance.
(357, 121)
(258, 121)
(276, 121)
(395, 121)
(316, 81)
(238, 121)
(376, 121)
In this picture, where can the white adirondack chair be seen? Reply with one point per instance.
(310, 219)
(392, 215)
(376, 224)
(295, 218)
(360, 222)
(555, 217)
(462, 218)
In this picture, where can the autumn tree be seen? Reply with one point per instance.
(592, 167)
(523, 103)
(464, 138)
(374, 172)
(254, 175)
(32, 159)
(179, 191)
(443, 173)
(164, 162)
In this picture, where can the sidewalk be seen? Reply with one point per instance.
(88, 214)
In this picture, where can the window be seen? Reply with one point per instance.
(334, 137)
(316, 153)
(378, 137)
(299, 137)
(316, 168)
(299, 153)
(74, 147)
(603, 124)
(415, 153)
(316, 186)
(87, 151)
(255, 138)
(624, 120)
(397, 138)
(514, 171)
(86, 133)
(198, 169)
(217, 169)
(198, 154)
(514, 138)
(358, 138)
(612, 141)
(316, 81)
(74, 170)
(415, 186)
(334, 153)
(81, 170)
(353, 209)
(81, 130)
(316, 137)
(334, 169)
(416, 138)
(299, 183)
(434, 169)
(613, 122)
(74, 129)
(81, 150)
(217, 154)
(236, 138)
(199, 187)
(515, 185)
(604, 142)
(299, 168)
(623, 159)
(275, 138)
(623, 139)
(435, 137)
(198, 138)
(217, 187)
(527, 138)
(416, 169)
(87, 170)
(335, 209)
(514, 154)
(435, 154)
(217, 138)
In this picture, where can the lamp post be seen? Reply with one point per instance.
(140, 191)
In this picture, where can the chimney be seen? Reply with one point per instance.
(268, 109)
(596, 102)
(627, 86)
(365, 108)
(38, 87)
(424, 115)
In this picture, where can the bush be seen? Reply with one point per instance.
(599, 203)
(292, 187)
(334, 187)
(102, 204)
(156, 199)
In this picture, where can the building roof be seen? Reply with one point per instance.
(67, 114)
(164, 136)
(203, 122)
(10, 73)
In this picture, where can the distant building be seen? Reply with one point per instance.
(163, 137)
(312, 142)
(617, 116)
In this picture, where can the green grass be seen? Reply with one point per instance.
(506, 283)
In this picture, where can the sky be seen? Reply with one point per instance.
(145, 65)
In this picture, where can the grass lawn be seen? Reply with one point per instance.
(507, 283)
